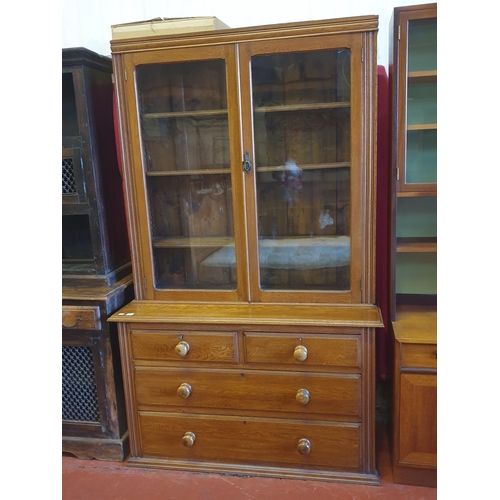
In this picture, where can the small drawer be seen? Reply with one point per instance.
(245, 439)
(419, 355)
(303, 350)
(185, 346)
(81, 317)
(295, 393)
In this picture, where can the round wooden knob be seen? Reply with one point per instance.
(302, 396)
(182, 348)
(304, 446)
(184, 390)
(188, 439)
(300, 353)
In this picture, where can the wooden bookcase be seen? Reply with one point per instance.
(96, 267)
(249, 165)
(413, 294)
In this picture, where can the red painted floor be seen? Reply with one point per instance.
(97, 480)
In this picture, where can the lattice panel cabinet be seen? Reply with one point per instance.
(96, 267)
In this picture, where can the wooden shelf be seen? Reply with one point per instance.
(187, 242)
(413, 245)
(422, 126)
(414, 194)
(315, 166)
(302, 107)
(186, 114)
(203, 171)
(422, 77)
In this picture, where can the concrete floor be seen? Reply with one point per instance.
(98, 480)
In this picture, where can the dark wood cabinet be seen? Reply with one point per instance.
(249, 165)
(413, 291)
(96, 267)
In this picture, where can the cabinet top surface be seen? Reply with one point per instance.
(415, 324)
(93, 293)
(235, 35)
(359, 315)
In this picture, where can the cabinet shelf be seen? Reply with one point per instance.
(314, 166)
(302, 107)
(410, 245)
(186, 242)
(186, 114)
(422, 126)
(422, 77)
(414, 194)
(206, 171)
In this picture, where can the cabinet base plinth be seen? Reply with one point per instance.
(245, 470)
(415, 476)
(114, 450)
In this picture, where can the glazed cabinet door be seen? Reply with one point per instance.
(304, 139)
(187, 205)
(417, 101)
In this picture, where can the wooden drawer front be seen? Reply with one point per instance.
(81, 317)
(325, 350)
(238, 439)
(419, 355)
(203, 346)
(249, 390)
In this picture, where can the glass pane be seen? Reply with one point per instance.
(422, 104)
(185, 138)
(302, 128)
(421, 156)
(422, 45)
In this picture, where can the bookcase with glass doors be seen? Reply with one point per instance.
(413, 75)
(250, 185)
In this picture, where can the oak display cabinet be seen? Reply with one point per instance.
(413, 294)
(96, 267)
(250, 186)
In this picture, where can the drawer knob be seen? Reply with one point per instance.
(300, 353)
(184, 390)
(182, 348)
(304, 446)
(188, 439)
(302, 396)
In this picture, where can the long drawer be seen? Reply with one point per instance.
(301, 393)
(299, 443)
(303, 350)
(184, 346)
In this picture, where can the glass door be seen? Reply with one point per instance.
(418, 161)
(303, 110)
(186, 109)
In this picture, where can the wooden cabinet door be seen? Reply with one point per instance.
(306, 116)
(187, 202)
(418, 421)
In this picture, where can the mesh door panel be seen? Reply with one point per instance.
(79, 390)
(68, 176)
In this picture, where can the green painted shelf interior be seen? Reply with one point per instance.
(421, 157)
(416, 217)
(422, 45)
(416, 273)
(422, 104)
